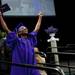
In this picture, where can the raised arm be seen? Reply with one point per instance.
(38, 24)
(3, 24)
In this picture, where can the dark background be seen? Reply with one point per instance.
(64, 21)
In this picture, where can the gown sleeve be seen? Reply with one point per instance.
(33, 38)
(11, 39)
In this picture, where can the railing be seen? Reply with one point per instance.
(34, 66)
(61, 66)
(50, 68)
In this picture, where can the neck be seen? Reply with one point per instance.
(24, 36)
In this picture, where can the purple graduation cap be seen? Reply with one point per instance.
(18, 26)
(51, 29)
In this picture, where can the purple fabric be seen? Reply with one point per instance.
(51, 29)
(22, 53)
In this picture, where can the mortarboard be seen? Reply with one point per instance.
(18, 26)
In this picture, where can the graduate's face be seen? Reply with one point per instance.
(23, 30)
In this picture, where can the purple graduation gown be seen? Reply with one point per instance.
(22, 53)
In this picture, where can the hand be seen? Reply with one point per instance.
(40, 14)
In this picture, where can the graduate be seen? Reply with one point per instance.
(22, 44)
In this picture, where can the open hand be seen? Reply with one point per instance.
(40, 14)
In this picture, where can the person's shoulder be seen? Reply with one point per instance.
(33, 33)
(11, 33)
